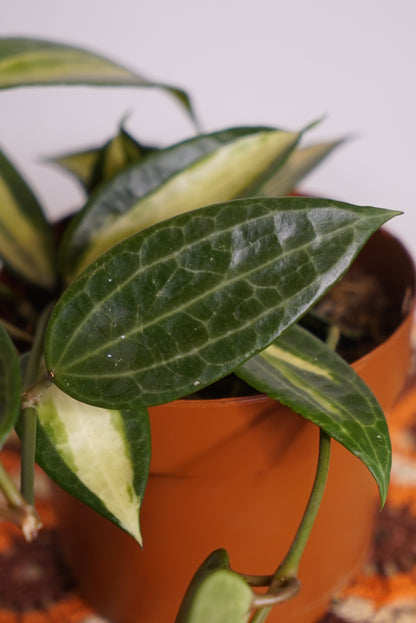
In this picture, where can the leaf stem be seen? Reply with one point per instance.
(9, 489)
(29, 425)
(290, 564)
(29, 416)
(30, 398)
(287, 571)
(18, 510)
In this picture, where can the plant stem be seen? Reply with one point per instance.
(18, 510)
(8, 488)
(29, 424)
(290, 565)
(288, 569)
(30, 398)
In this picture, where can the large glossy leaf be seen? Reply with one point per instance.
(197, 172)
(298, 165)
(28, 61)
(222, 596)
(181, 304)
(10, 385)
(25, 236)
(100, 456)
(303, 373)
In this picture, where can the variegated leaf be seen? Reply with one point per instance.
(183, 303)
(100, 456)
(303, 373)
(10, 385)
(28, 61)
(300, 162)
(116, 155)
(26, 242)
(203, 170)
(93, 166)
(80, 164)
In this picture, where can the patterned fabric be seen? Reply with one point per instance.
(35, 586)
(385, 591)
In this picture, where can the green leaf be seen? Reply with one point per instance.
(80, 164)
(10, 385)
(218, 559)
(197, 172)
(303, 373)
(116, 155)
(298, 165)
(27, 61)
(100, 456)
(181, 304)
(222, 596)
(93, 166)
(26, 242)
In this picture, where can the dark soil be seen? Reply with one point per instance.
(394, 545)
(363, 310)
(32, 575)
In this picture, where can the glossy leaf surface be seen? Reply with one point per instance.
(101, 457)
(27, 61)
(10, 385)
(222, 596)
(181, 304)
(298, 165)
(25, 236)
(203, 170)
(302, 373)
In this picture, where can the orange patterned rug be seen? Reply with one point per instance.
(35, 586)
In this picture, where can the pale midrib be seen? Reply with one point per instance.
(165, 362)
(107, 480)
(195, 300)
(290, 373)
(69, 58)
(133, 276)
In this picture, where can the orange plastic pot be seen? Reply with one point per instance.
(237, 474)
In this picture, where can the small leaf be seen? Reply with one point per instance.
(26, 242)
(27, 61)
(10, 385)
(183, 303)
(80, 164)
(298, 165)
(216, 560)
(116, 155)
(222, 596)
(202, 170)
(303, 373)
(93, 166)
(101, 457)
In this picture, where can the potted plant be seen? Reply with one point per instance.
(172, 302)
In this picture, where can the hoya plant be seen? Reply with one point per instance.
(184, 265)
